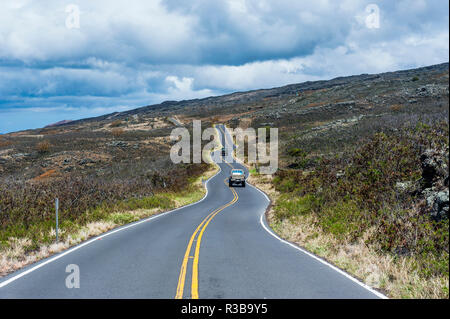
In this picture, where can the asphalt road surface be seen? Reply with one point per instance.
(219, 247)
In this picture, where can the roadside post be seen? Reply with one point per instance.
(56, 209)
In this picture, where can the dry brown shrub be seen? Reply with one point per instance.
(116, 123)
(396, 107)
(4, 142)
(43, 147)
(50, 132)
(116, 132)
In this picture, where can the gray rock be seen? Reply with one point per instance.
(433, 166)
(403, 187)
(85, 161)
(349, 104)
(19, 155)
(340, 174)
(118, 144)
(438, 202)
(431, 90)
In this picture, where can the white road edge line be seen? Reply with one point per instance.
(263, 224)
(70, 250)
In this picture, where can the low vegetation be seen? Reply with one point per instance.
(116, 123)
(88, 207)
(117, 132)
(103, 177)
(43, 147)
(358, 200)
(363, 178)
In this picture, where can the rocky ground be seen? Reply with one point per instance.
(374, 144)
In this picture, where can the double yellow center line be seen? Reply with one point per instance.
(197, 235)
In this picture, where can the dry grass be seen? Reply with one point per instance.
(116, 123)
(315, 104)
(50, 132)
(116, 132)
(395, 278)
(396, 107)
(17, 254)
(4, 142)
(43, 147)
(245, 123)
(47, 174)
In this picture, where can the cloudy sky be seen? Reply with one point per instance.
(80, 58)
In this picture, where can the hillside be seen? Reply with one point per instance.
(363, 176)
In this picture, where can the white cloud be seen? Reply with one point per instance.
(131, 54)
(184, 89)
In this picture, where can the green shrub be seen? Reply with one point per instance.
(363, 195)
(297, 152)
(343, 219)
(123, 218)
(295, 207)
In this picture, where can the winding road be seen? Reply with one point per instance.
(220, 247)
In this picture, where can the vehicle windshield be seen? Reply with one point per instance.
(237, 171)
